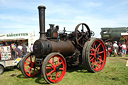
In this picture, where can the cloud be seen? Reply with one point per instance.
(18, 19)
(95, 23)
(2, 1)
(92, 4)
(14, 24)
(125, 2)
(20, 4)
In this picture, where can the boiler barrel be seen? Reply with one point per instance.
(64, 47)
(42, 48)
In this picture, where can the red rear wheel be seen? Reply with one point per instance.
(94, 55)
(29, 67)
(53, 68)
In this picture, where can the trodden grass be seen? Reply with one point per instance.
(115, 72)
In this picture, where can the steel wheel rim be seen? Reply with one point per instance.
(29, 66)
(97, 55)
(57, 69)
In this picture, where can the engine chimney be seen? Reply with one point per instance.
(42, 22)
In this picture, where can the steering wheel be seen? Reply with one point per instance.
(82, 34)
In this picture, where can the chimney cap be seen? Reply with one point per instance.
(41, 6)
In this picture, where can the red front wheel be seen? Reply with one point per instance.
(94, 55)
(29, 67)
(53, 68)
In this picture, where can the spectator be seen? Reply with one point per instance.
(18, 52)
(24, 50)
(13, 46)
(20, 46)
(106, 47)
(31, 48)
(109, 49)
(123, 49)
(115, 47)
(120, 48)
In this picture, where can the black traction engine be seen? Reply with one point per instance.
(54, 51)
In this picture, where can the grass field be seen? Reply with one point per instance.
(115, 72)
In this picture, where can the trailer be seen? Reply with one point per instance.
(8, 63)
(6, 59)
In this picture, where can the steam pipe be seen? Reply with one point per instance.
(42, 22)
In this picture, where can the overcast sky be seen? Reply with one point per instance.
(17, 16)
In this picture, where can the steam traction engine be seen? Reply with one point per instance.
(54, 51)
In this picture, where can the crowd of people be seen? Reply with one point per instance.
(116, 48)
(19, 50)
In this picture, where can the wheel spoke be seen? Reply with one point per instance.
(34, 71)
(58, 73)
(28, 69)
(48, 67)
(50, 72)
(51, 63)
(98, 67)
(94, 45)
(58, 63)
(79, 32)
(101, 52)
(80, 38)
(51, 76)
(92, 59)
(53, 60)
(28, 60)
(101, 61)
(25, 64)
(92, 49)
(93, 64)
(98, 49)
(98, 46)
(92, 54)
(61, 69)
(56, 76)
